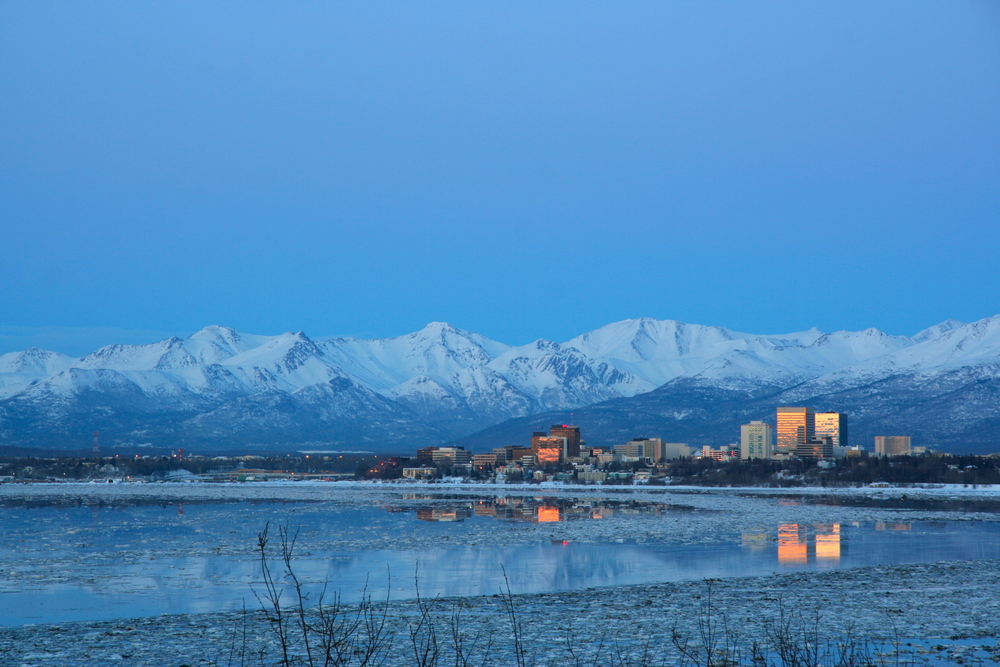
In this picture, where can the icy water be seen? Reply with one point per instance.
(64, 561)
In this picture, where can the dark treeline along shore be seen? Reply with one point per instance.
(969, 470)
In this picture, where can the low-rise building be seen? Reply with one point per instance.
(815, 448)
(723, 454)
(676, 450)
(426, 455)
(484, 460)
(450, 456)
(653, 449)
(892, 445)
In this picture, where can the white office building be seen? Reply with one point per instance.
(756, 440)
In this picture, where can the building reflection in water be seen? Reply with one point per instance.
(756, 541)
(444, 514)
(798, 542)
(793, 548)
(882, 525)
(534, 509)
(546, 514)
(828, 542)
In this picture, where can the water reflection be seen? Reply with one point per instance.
(882, 525)
(125, 561)
(800, 544)
(756, 541)
(451, 514)
(828, 544)
(792, 545)
(208, 582)
(816, 544)
(533, 509)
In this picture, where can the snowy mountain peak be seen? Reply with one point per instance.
(167, 353)
(974, 341)
(442, 333)
(646, 339)
(937, 330)
(439, 333)
(225, 337)
(869, 341)
(435, 328)
(277, 348)
(215, 330)
(34, 361)
(542, 345)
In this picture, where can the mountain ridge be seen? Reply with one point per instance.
(231, 389)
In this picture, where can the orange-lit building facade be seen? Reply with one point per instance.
(795, 426)
(832, 425)
(548, 449)
(572, 435)
(560, 443)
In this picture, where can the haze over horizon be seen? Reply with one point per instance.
(517, 170)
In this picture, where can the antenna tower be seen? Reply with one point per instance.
(97, 448)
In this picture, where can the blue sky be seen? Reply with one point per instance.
(520, 169)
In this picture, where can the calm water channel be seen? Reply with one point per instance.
(130, 561)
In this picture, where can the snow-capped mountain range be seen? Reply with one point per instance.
(223, 388)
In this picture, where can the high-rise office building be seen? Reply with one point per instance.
(572, 435)
(892, 445)
(756, 440)
(795, 426)
(832, 425)
(548, 449)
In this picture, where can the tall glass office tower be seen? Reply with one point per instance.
(832, 425)
(795, 425)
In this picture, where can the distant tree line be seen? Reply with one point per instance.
(85, 468)
(968, 470)
(929, 469)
